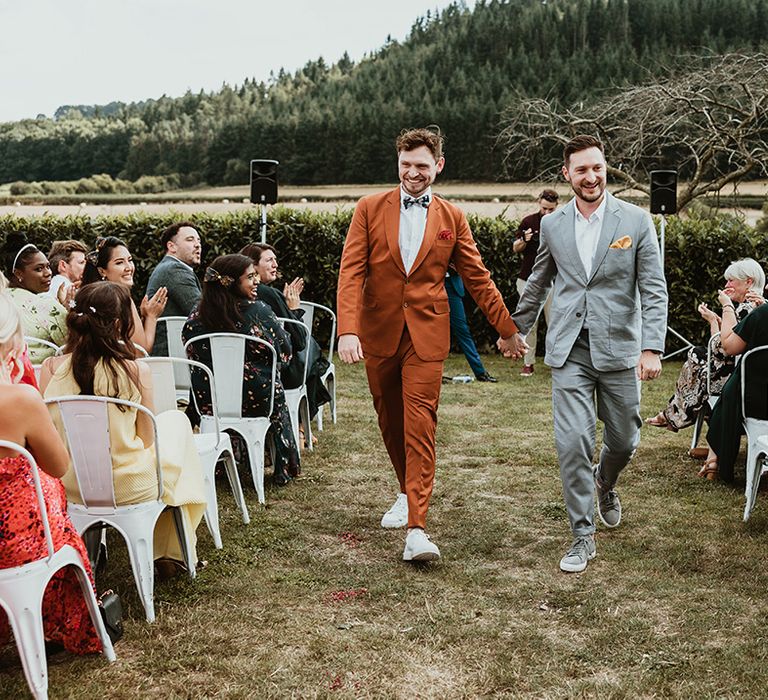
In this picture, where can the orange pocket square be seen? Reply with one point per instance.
(622, 243)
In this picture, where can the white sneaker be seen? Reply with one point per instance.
(397, 515)
(418, 547)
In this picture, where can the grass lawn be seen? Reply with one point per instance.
(313, 600)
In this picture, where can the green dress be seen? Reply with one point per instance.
(726, 424)
(41, 317)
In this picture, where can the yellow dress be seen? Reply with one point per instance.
(133, 464)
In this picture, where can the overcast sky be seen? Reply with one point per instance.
(56, 52)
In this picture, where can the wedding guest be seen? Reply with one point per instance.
(67, 260)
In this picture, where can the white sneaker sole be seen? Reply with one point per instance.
(421, 556)
(576, 568)
(394, 525)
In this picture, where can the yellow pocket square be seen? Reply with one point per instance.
(622, 243)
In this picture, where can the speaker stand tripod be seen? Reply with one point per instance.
(687, 344)
(263, 227)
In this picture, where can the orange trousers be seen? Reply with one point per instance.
(406, 391)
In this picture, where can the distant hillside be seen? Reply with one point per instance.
(336, 124)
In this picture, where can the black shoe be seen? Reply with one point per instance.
(485, 377)
(282, 478)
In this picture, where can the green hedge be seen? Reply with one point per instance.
(309, 244)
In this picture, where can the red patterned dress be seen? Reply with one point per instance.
(22, 540)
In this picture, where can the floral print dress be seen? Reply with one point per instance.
(22, 540)
(691, 394)
(41, 317)
(261, 322)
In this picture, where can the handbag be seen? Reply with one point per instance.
(112, 614)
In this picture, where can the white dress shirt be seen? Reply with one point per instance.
(588, 234)
(413, 222)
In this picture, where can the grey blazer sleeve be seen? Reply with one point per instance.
(537, 286)
(652, 287)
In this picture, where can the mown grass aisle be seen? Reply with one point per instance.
(312, 599)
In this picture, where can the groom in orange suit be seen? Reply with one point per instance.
(394, 314)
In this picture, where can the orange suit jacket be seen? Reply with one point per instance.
(376, 298)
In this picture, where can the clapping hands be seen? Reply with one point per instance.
(155, 306)
(292, 293)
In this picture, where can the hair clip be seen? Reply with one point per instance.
(72, 304)
(93, 257)
(212, 275)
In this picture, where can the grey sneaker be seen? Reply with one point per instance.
(581, 551)
(608, 503)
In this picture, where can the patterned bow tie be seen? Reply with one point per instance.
(423, 201)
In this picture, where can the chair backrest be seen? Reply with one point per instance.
(164, 385)
(29, 340)
(304, 329)
(753, 385)
(310, 311)
(38, 490)
(713, 341)
(86, 424)
(140, 351)
(173, 328)
(228, 358)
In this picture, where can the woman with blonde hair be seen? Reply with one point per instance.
(24, 419)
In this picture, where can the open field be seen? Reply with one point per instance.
(514, 199)
(312, 601)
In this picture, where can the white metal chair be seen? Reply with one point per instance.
(297, 399)
(22, 589)
(173, 327)
(701, 416)
(212, 447)
(755, 428)
(228, 358)
(329, 377)
(86, 423)
(29, 340)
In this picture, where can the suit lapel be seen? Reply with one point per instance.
(568, 235)
(607, 233)
(430, 233)
(392, 227)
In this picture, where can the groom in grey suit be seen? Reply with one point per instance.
(606, 331)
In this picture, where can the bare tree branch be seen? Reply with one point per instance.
(710, 122)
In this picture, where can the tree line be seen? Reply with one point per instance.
(458, 68)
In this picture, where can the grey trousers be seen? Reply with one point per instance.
(575, 388)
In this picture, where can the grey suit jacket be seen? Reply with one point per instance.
(624, 301)
(183, 294)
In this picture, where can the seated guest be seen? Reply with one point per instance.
(176, 273)
(726, 424)
(99, 361)
(29, 276)
(227, 306)
(24, 419)
(745, 280)
(67, 260)
(112, 261)
(285, 304)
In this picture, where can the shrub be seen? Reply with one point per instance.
(310, 244)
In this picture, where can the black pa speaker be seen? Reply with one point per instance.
(264, 181)
(663, 191)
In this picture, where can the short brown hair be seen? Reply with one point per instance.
(255, 250)
(581, 143)
(62, 251)
(173, 229)
(550, 196)
(414, 138)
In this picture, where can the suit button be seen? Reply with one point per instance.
(578, 314)
(405, 305)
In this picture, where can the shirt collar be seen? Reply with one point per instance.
(179, 260)
(596, 215)
(403, 193)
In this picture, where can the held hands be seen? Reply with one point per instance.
(152, 308)
(513, 347)
(649, 366)
(292, 293)
(349, 348)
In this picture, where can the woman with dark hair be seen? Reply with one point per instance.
(286, 305)
(227, 306)
(24, 420)
(112, 261)
(99, 361)
(29, 276)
